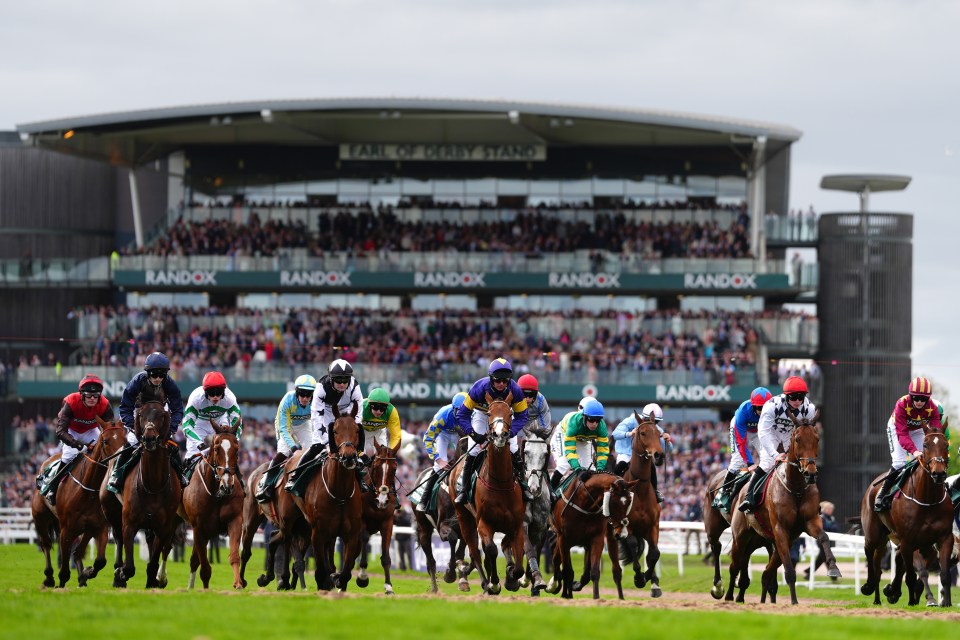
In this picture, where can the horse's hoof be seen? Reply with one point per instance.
(511, 584)
(639, 581)
(655, 591)
(388, 590)
(577, 587)
(493, 589)
(263, 581)
(464, 586)
(524, 582)
(537, 588)
(932, 603)
(449, 576)
(834, 573)
(162, 583)
(553, 587)
(49, 582)
(243, 583)
(717, 591)
(866, 589)
(363, 581)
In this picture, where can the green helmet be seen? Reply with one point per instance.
(379, 395)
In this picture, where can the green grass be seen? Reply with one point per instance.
(99, 611)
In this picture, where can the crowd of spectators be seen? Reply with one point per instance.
(530, 232)
(715, 342)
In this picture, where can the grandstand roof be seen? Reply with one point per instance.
(135, 137)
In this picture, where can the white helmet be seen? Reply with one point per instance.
(652, 412)
(583, 401)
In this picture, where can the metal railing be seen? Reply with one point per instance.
(63, 272)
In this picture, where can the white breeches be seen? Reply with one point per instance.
(379, 436)
(479, 423)
(736, 460)
(302, 433)
(68, 453)
(584, 453)
(897, 453)
(445, 441)
(769, 458)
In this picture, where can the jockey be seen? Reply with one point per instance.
(338, 388)
(472, 419)
(556, 443)
(77, 428)
(154, 377)
(743, 437)
(292, 425)
(381, 420)
(439, 438)
(579, 428)
(623, 441)
(774, 429)
(538, 423)
(210, 404)
(910, 413)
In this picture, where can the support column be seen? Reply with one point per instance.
(135, 205)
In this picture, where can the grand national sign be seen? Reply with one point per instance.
(720, 281)
(693, 392)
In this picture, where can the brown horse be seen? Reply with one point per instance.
(588, 514)
(332, 504)
(378, 512)
(444, 521)
(919, 518)
(715, 522)
(291, 535)
(499, 504)
(213, 504)
(646, 452)
(791, 506)
(151, 495)
(78, 515)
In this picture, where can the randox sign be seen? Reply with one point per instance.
(181, 277)
(720, 281)
(696, 393)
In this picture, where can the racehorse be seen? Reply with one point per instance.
(378, 512)
(791, 506)
(213, 504)
(921, 519)
(499, 504)
(151, 495)
(715, 522)
(443, 520)
(78, 515)
(536, 455)
(646, 452)
(291, 535)
(332, 504)
(587, 514)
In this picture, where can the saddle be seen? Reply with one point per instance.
(723, 499)
(417, 496)
(306, 472)
(190, 465)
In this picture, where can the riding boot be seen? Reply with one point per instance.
(521, 475)
(653, 481)
(51, 489)
(308, 455)
(466, 479)
(177, 463)
(747, 506)
(269, 478)
(362, 475)
(555, 479)
(115, 485)
(885, 496)
(621, 468)
(427, 492)
(721, 500)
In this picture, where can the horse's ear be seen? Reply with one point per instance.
(816, 416)
(636, 416)
(354, 409)
(100, 421)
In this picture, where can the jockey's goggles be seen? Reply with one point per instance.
(212, 392)
(341, 380)
(378, 406)
(919, 398)
(157, 373)
(591, 419)
(798, 395)
(90, 393)
(530, 394)
(304, 393)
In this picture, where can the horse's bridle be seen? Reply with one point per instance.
(219, 471)
(384, 488)
(938, 477)
(499, 441)
(148, 445)
(800, 462)
(539, 474)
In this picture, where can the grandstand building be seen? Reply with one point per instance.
(548, 225)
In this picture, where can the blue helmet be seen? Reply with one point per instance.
(500, 368)
(592, 408)
(156, 360)
(459, 399)
(305, 382)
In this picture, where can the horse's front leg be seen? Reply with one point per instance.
(946, 551)
(79, 551)
(781, 538)
(100, 561)
(595, 553)
(914, 587)
(386, 537)
(322, 554)
(469, 534)
(129, 569)
(824, 541)
(66, 551)
(351, 549)
(489, 558)
(531, 549)
(653, 557)
(892, 591)
(768, 580)
(613, 550)
(235, 531)
(515, 573)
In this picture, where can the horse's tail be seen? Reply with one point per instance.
(856, 526)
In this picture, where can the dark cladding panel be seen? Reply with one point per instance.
(865, 293)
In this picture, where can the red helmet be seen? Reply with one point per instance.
(213, 379)
(528, 383)
(795, 384)
(91, 383)
(920, 387)
(760, 396)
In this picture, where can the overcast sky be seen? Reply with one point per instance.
(873, 86)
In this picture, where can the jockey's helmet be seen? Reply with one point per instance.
(214, 384)
(90, 384)
(593, 409)
(305, 382)
(340, 368)
(795, 384)
(459, 399)
(652, 412)
(759, 396)
(500, 369)
(379, 396)
(920, 387)
(583, 402)
(156, 360)
(528, 383)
